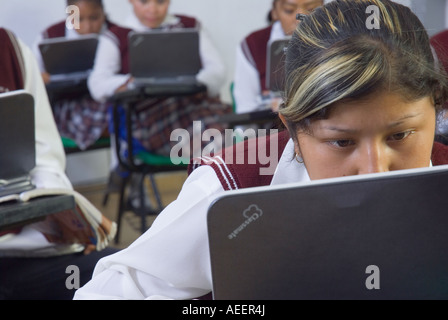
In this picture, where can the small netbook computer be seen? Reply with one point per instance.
(69, 59)
(17, 142)
(275, 64)
(164, 58)
(377, 236)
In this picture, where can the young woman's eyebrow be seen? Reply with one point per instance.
(403, 119)
(391, 125)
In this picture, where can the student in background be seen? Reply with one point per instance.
(357, 101)
(161, 115)
(78, 116)
(250, 90)
(439, 43)
(31, 266)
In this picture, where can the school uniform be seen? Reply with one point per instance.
(157, 116)
(250, 68)
(78, 116)
(178, 237)
(31, 266)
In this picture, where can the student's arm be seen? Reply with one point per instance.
(171, 260)
(38, 56)
(246, 89)
(105, 79)
(213, 73)
(50, 157)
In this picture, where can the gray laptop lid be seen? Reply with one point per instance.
(275, 64)
(169, 56)
(62, 56)
(365, 237)
(17, 141)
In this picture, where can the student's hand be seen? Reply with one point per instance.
(124, 86)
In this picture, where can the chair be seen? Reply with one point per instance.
(144, 163)
(71, 147)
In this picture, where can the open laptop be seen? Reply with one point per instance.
(168, 59)
(17, 142)
(275, 65)
(69, 60)
(380, 236)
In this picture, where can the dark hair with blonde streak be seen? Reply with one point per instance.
(333, 55)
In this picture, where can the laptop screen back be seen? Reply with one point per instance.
(17, 137)
(275, 65)
(164, 54)
(352, 238)
(64, 56)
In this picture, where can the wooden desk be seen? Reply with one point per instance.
(17, 214)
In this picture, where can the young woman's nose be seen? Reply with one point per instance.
(373, 158)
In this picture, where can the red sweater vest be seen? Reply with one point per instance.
(233, 173)
(254, 47)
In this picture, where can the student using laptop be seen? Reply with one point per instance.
(160, 115)
(31, 267)
(359, 100)
(78, 117)
(250, 90)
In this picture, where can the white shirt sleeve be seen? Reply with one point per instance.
(105, 78)
(213, 72)
(171, 260)
(247, 89)
(37, 52)
(50, 157)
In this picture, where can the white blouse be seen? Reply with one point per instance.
(171, 260)
(49, 171)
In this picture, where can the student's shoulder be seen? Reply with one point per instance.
(55, 30)
(187, 21)
(260, 35)
(117, 29)
(439, 154)
(117, 33)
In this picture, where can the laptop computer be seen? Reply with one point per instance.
(69, 60)
(168, 59)
(378, 236)
(275, 65)
(17, 142)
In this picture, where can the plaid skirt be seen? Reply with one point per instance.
(82, 119)
(155, 119)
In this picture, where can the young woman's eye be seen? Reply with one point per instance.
(341, 143)
(400, 136)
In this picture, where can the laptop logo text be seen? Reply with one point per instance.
(252, 213)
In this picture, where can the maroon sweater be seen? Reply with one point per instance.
(254, 47)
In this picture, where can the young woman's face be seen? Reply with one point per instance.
(91, 17)
(381, 133)
(150, 13)
(286, 10)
